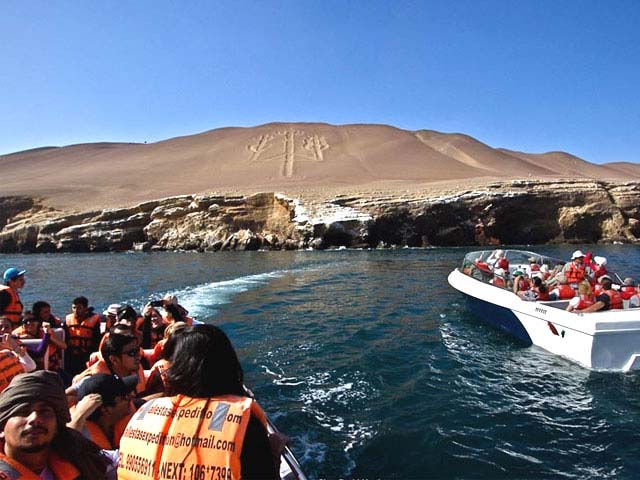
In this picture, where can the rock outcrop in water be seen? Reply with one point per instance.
(515, 212)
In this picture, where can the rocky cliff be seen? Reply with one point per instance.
(513, 212)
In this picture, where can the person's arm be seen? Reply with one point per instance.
(602, 302)
(573, 303)
(61, 344)
(84, 408)
(40, 350)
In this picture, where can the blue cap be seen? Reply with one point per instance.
(12, 273)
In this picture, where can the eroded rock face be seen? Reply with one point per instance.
(518, 212)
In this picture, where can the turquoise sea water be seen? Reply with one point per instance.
(373, 366)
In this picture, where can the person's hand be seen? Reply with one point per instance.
(8, 342)
(83, 410)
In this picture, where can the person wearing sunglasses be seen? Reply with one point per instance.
(119, 355)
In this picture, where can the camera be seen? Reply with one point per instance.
(157, 303)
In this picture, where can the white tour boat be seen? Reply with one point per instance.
(604, 340)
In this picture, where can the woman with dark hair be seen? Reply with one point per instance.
(208, 426)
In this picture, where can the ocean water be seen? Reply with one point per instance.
(372, 364)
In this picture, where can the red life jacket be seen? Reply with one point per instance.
(575, 273)
(541, 296)
(523, 285)
(498, 282)
(615, 299)
(565, 292)
(627, 292)
(584, 302)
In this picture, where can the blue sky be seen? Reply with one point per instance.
(522, 74)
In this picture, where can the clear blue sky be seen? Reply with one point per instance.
(522, 74)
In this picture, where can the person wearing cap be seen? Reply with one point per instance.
(35, 442)
(521, 283)
(111, 315)
(82, 328)
(10, 304)
(576, 271)
(104, 408)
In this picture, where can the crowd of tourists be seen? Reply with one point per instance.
(583, 281)
(123, 395)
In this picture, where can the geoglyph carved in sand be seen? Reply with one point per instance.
(288, 146)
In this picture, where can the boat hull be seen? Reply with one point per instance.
(600, 340)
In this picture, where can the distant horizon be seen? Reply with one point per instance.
(534, 76)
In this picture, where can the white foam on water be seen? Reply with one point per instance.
(201, 300)
(318, 399)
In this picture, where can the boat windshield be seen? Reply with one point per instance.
(481, 264)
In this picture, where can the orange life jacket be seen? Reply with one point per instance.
(10, 366)
(615, 299)
(498, 282)
(565, 292)
(575, 273)
(11, 469)
(13, 311)
(94, 432)
(202, 437)
(81, 333)
(523, 285)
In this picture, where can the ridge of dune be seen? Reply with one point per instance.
(309, 158)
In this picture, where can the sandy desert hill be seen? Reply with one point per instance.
(285, 157)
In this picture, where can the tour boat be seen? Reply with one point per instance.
(604, 340)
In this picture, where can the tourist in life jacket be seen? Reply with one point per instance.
(104, 401)
(119, 355)
(151, 327)
(584, 299)
(634, 301)
(207, 404)
(42, 311)
(520, 282)
(499, 278)
(609, 299)
(539, 288)
(164, 351)
(576, 271)
(10, 304)
(599, 268)
(35, 441)
(563, 290)
(494, 257)
(31, 328)
(14, 358)
(82, 329)
(628, 289)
